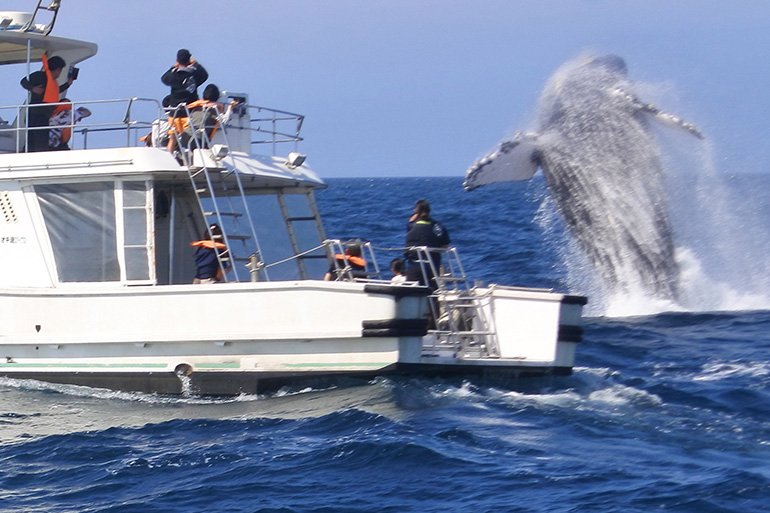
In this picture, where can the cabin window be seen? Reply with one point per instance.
(285, 227)
(99, 230)
(136, 243)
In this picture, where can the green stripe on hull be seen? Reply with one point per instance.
(348, 364)
(85, 365)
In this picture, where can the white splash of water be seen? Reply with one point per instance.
(724, 242)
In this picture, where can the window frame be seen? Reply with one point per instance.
(119, 214)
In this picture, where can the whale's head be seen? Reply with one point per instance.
(611, 63)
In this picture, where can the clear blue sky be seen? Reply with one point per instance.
(423, 88)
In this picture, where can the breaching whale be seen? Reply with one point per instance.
(603, 168)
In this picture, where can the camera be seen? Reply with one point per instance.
(73, 73)
(238, 105)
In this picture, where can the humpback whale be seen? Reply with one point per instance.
(603, 168)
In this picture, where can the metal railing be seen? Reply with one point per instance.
(284, 127)
(117, 118)
(457, 310)
(341, 267)
(123, 122)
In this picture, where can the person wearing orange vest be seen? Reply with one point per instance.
(61, 122)
(205, 114)
(352, 258)
(43, 89)
(208, 255)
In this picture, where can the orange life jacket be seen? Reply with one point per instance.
(353, 259)
(208, 244)
(51, 94)
(66, 133)
(179, 125)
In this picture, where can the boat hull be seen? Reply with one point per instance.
(246, 338)
(207, 339)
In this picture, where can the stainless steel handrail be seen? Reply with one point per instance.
(267, 126)
(81, 128)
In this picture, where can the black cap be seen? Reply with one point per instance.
(183, 56)
(37, 78)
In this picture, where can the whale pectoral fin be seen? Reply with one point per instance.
(661, 117)
(670, 120)
(514, 160)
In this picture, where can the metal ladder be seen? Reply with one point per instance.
(461, 322)
(230, 210)
(290, 220)
(53, 7)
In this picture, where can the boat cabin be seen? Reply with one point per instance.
(118, 208)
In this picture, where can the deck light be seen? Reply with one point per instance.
(295, 160)
(219, 151)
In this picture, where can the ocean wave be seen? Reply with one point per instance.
(729, 370)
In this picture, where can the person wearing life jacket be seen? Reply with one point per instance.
(205, 115)
(208, 255)
(61, 122)
(351, 258)
(422, 230)
(43, 89)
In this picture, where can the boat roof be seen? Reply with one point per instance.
(15, 43)
(257, 172)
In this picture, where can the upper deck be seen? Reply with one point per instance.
(257, 140)
(257, 143)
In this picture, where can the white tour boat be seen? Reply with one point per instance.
(97, 268)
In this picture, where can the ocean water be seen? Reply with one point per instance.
(668, 408)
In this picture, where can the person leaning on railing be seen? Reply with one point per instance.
(205, 116)
(352, 258)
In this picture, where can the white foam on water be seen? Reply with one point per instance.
(620, 395)
(701, 292)
(727, 370)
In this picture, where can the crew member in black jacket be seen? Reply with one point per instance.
(423, 230)
(183, 78)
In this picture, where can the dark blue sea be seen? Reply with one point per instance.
(667, 409)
